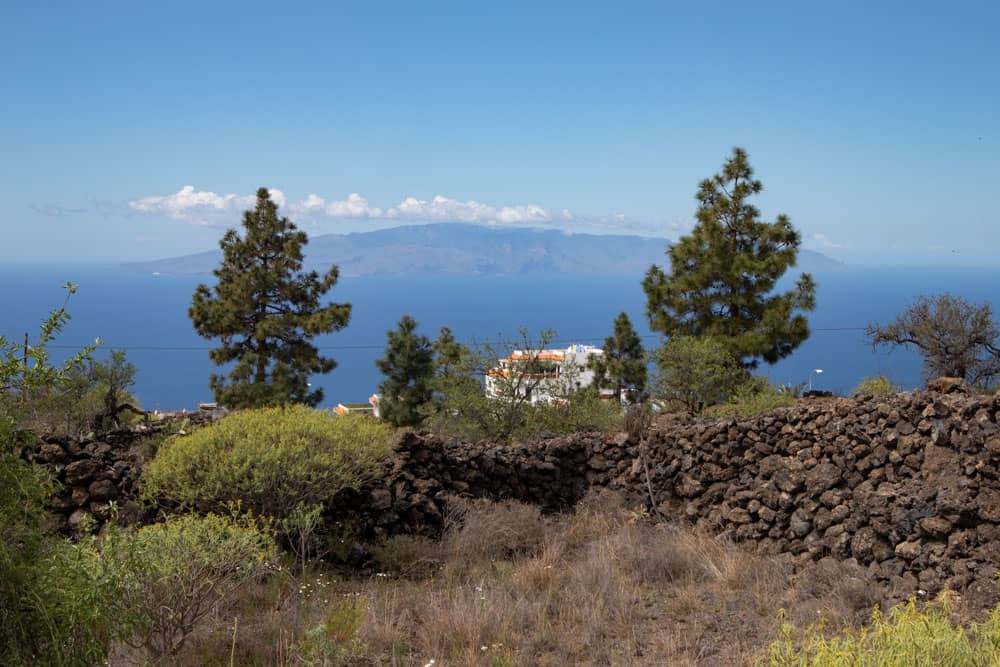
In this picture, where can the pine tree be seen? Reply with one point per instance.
(722, 275)
(623, 364)
(449, 353)
(408, 366)
(267, 310)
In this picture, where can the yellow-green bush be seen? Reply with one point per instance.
(173, 574)
(755, 397)
(876, 386)
(907, 637)
(270, 460)
(581, 411)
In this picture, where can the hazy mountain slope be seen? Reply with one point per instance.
(470, 250)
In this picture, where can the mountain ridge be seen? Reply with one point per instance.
(463, 249)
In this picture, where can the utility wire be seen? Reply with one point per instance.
(474, 343)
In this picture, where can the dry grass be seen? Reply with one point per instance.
(508, 586)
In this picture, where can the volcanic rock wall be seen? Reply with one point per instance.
(92, 475)
(909, 486)
(425, 471)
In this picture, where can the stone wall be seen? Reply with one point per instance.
(909, 486)
(94, 474)
(425, 471)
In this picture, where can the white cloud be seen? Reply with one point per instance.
(355, 207)
(209, 208)
(825, 241)
(201, 207)
(445, 209)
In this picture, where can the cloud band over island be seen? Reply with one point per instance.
(203, 207)
(209, 208)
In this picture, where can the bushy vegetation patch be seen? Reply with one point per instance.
(910, 634)
(694, 373)
(509, 586)
(878, 385)
(583, 411)
(56, 605)
(270, 460)
(753, 398)
(173, 574)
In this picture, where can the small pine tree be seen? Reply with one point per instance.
(267, 311)
(113, 377)
(408, 366)
(622, 367)
(722, 276)
(449, 353)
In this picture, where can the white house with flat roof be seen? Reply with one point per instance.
(542, 375)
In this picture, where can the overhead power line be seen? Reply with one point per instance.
(474, 343)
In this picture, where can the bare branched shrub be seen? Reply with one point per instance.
(483, 531)
(412, 556)
(956, 338)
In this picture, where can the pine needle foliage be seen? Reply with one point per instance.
(723, 274)
(622, 367)
(408, 367)
(266, 311)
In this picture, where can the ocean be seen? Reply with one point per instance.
(147, 316)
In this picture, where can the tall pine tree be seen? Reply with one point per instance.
(266, 311)
(622, 367)
(722, 276)
(408, 366)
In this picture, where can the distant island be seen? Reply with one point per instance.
(470, 250)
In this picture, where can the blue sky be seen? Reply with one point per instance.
(873, 125)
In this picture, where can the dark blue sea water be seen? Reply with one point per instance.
(147, 315)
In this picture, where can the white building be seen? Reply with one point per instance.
(542, 375)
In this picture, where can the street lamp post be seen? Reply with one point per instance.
(815, 371)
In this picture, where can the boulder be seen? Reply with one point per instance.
(80, 471)
(103, 490)
(948, 385)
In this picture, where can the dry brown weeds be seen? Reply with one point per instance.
(508, 586)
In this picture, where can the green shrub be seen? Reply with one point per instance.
(55, 606)
(173, 574)
(695, 373)
(582, 410)
(879, 385)
(753, 398)
(301, 528)
(331, 642)
(270, 460)
(907, 636)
